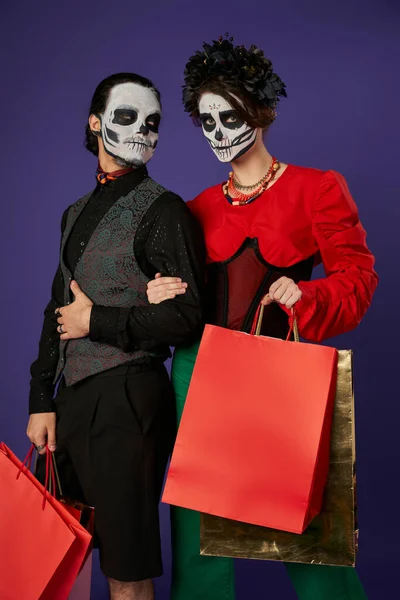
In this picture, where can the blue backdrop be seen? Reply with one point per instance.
(339, 61)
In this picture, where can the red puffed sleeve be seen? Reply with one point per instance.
(336, 304)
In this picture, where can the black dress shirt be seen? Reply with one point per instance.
(168, 240)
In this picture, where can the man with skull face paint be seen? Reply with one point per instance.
(130, 132)
(265, 229)
(106, 345)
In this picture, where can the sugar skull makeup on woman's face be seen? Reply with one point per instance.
(228, 135)
(129, 125)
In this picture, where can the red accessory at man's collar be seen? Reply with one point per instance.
(103, 177)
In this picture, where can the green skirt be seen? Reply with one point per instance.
(196, 577)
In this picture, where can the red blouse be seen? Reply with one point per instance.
(306, 212)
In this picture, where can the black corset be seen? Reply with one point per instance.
(236, 286)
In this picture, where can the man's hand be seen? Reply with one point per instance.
(41, 430)
(74, 319)
(284, 291)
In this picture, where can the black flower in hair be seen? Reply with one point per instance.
(249, 68)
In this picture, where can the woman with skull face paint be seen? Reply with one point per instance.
(266, 228)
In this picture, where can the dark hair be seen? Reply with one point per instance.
(246, 107)
(100, 99)
(243, 76)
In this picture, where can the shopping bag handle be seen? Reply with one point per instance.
(27, 461)
(51, 478)
(258, 317)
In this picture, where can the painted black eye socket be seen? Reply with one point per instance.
(231, 120)
(153, 122)
(208, 122)
(125, 116)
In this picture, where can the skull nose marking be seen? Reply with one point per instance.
(144, 129)
(218, 135)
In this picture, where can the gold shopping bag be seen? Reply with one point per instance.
(332, 536)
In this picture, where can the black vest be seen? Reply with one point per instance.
(109, 275)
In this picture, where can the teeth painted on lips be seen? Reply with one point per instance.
(139, 147)
(220, 148)
(139, 143)
(241, 139)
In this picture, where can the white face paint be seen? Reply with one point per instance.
(228, 135)
(129, 125)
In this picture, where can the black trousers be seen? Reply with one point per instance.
(115, 433)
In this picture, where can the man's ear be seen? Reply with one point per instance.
(95, 125)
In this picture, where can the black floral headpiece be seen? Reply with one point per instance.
(249, 68)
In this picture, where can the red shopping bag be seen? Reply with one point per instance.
(42, 546)
(82, 586)
(85, 516)
(253, 443)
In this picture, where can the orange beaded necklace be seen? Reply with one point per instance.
(239, 198)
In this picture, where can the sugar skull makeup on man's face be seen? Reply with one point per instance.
(228, 135)
(129, 125)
